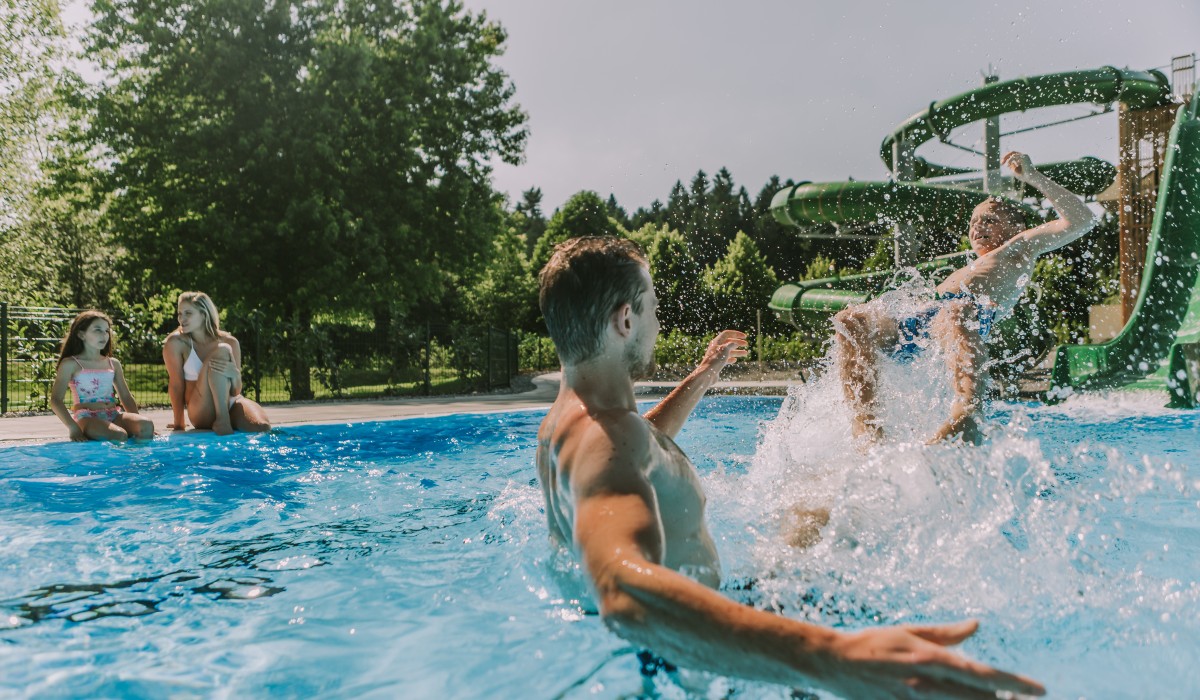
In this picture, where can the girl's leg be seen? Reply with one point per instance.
(136, 425)
(249, 417)
(100, 429)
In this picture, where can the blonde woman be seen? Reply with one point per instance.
(204, 372)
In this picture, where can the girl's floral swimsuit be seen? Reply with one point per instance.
(94, 386)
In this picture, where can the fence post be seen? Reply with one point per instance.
(428, 338)
(3, 357)
(258, 378)
(489, 358)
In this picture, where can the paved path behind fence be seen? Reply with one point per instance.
(48, 427)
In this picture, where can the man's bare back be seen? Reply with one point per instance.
(687, 545)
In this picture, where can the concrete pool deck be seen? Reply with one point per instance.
(545, 387)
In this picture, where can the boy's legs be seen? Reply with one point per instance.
(955, 328)
(859, 334)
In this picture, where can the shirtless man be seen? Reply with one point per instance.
(629, 502)
(968, 302)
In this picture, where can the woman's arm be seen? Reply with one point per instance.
(236, 377)
(127, 401)
(61, 380)
(176, 385)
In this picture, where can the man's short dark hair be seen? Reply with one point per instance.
(586, 280)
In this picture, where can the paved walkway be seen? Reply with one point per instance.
(545, 388)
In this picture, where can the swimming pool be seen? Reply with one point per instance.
(409, 558)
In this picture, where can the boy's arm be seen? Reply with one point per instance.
(61, 379)
(127, 400)
(672, 412)
(621, 538)
(1074, 217)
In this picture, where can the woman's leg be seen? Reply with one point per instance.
(208, 402)
(249, 417)
(220, 386)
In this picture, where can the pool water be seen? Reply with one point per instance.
(410, 559)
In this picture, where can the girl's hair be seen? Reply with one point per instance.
(200, 300)
(72, 344)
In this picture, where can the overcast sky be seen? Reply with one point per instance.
(628, 96)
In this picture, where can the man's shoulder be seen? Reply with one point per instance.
(575, 431)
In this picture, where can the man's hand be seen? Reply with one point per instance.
(1020, 165)
(889, 662)
(725, 349)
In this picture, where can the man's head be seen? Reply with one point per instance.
(994, 222)
(586, 282)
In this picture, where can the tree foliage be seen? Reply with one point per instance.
(740, 284)
(30, 53)
(584, 214)
(301, 156)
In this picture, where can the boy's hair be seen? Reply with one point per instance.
(1011, 211)
(586, 279)
(200, 300)
(71, 343)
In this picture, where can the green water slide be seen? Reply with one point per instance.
(1159, 346)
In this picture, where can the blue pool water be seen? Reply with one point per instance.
(409, 558)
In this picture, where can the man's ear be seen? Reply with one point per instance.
(622, 320)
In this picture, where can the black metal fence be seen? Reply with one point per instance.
(281, 362)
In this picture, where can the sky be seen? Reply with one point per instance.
(625, 97)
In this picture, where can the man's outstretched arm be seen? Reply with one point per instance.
(1074, 218)
(672, 412)
(620, 536)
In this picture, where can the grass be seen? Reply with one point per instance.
(148, 384)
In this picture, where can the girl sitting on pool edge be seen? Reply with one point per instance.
(204, 372)
(104, 409)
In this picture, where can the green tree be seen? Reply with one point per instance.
(584, 214)
(534, 222)
(505, 295)
(682, 300)
(740, 284)
(302, 157)
(30, 111)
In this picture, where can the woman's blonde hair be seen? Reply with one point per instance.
(200, 300)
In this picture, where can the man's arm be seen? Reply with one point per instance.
(672, 412)
(621, 539)
(1074, 218)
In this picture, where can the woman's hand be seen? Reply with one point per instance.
(77, 434)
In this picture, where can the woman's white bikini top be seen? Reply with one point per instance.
(192, 365)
